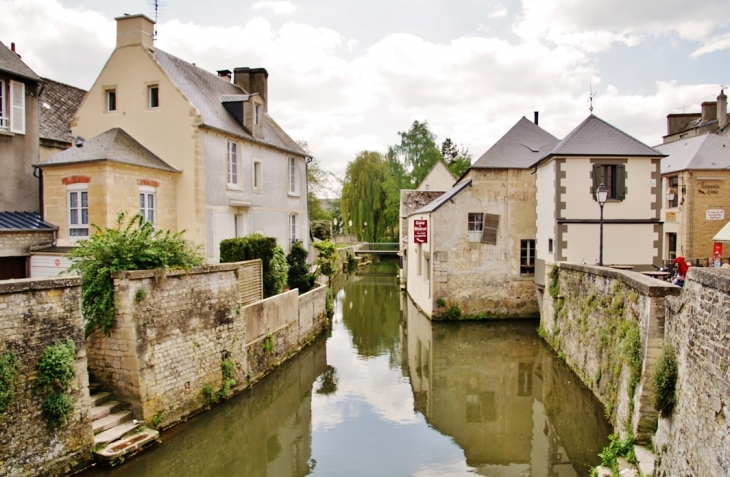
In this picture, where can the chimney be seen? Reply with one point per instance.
(709, 111)
(225, 74)
(252, 80)
(135, 30)
(537, 113)
(722, 110)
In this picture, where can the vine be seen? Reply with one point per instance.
(8, 373)
(56, 372)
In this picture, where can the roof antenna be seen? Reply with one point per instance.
(157, 5)
(591, 95)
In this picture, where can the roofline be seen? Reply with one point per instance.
(254, 140)
(697, 126)
(442, 203)
(56, 164)
(29, 78)
(136, 15)
(595, 156)
(54, 228)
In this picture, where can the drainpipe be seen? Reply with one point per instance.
(690, 195)
(38, 173)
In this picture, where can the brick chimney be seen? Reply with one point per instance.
(709, 111)
(722, 110)
(135, 30)
(225, 74)
(254, 82)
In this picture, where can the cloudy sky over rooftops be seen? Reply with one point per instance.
(346, 76)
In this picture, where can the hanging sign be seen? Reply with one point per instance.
(420, 231)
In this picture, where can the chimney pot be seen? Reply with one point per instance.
(225, 74)
(537, 113)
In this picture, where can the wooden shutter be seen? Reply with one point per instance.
(489, 232)
(17, 107)
(620, 181)
(597, 173)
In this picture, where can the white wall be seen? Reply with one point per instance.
(545, 210)
(418, 288)
(630, 244)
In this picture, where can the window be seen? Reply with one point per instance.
(293, 228)
(78, 211)
(674, 184)
(257, 114)
(672, 245)
(427, 264)
(232, 163)
(147, 205)
(258, 185)
(153, 96)
(527, 257)
(3, 114)
(292, 175)
(111, 100)
(17, 107)
(613, 176)
(476, 227)
(550, 245)
(419, 259)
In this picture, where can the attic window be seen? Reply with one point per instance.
(153, 95)
(257, 114)
(111, 100)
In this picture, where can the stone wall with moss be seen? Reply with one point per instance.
(608, 326)
(36, 314)
(695, 438)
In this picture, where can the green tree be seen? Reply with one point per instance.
(363, 197)
(417, 151)
(316, 186)
(326, 259)
(299, 276)
(458, 160)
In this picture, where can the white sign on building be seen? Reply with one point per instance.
(715, 215)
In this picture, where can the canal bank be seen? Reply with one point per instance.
(391, 393)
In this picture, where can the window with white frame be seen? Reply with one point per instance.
(110, 99)
(476, 226)
(78, 211)
(147, 207)
(257, 176)
(232, 164)
(153, 96)
(4, 124)
(17, 107)
(293, 228)
(292, 175)
(257, 114)
(527, 257)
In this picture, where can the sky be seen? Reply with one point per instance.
(348, 75)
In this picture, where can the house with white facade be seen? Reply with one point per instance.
(568, 215)
(191, 149)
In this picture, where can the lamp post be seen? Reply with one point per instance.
(601, 196)
(671, 194)
(365, 231)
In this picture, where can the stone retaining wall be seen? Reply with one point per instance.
(35, 314)
(695, 440)
(589, 315)
(171, 335)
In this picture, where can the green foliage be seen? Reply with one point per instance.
(458, 160)
(364, 198)
(554, 285)
(440, 302)
(278, 270)
(8, 373)
(664, 379)
(633, 356)
(328, 382)
(321, 229)
(157, 419)
(140, 295)
(209, 394)
(453, 313)
(615, 449)
(329, 306)
(326, 258)
(418, 151)
(56, 372)
(299, 276)
(135, 245)
(351, 262)
(56, 408)
(254, 247)
(268, 344)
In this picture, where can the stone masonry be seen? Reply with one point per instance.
(33, 315)
(18, 243)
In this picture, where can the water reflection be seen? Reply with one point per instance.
(505, 399)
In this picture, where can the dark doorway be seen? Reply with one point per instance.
(12, 267)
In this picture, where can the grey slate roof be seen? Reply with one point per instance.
(443, 198)
(12, 64)
(58, 105)
(113, 145)
(595, 137)
(23, 221)
(708, 151)
(521, 147)
(412, 200)
(204, 90)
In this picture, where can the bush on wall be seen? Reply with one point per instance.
(664, 378)
(254, 247)
(321, 229)
(299, 276)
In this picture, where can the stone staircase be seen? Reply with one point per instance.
(116, 433)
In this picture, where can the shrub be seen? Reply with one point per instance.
(56, 408)
(279, 269)
(299, 276)
(8, 373)
(56, 371)
(664, 378)
(326, 258)
(321, 229)
(136, 245)
(617, 448)
(254, 247)
(440, 302)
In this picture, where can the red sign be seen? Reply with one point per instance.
(420, 231)
(57, 262)
(717, 248)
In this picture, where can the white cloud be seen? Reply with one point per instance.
(717, 43)
(278, 7)
(499, 11)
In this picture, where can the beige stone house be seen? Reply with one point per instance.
(568, 216)
(697, 170)
(475, 246)
(222, 166)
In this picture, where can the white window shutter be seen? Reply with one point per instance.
(17, 105)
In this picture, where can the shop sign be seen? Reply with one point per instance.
(420, 231)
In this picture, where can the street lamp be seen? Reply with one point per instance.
(601, 196)
(365, 231)
(671, 194)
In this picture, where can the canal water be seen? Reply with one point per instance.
(389, 393)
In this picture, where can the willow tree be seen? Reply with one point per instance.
(363, 196)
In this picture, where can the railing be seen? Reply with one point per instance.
(380, 246)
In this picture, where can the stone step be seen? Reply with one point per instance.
(110, 421)
(100, 398)
(103, 410)
(93, 387)
(114, 433)
(127, 446)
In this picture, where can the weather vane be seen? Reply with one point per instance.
(591, 95)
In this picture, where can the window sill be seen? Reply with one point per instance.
(293, 194)
(234, 187)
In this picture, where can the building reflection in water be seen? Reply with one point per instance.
(502, 395)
